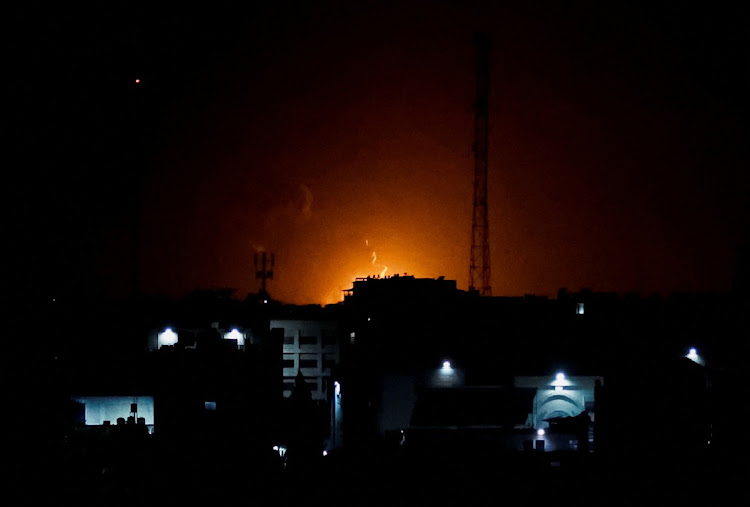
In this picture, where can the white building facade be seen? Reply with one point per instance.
(310, 347)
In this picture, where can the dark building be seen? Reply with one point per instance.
(409, 366)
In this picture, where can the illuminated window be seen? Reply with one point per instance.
(579, 309)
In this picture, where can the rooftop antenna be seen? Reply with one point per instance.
(479, 263)
(263, 271)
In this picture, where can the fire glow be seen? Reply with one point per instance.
(357, 267)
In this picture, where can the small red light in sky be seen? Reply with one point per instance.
(137, 81)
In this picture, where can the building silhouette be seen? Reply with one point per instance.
(410, 367)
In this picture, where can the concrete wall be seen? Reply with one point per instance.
(398, 396)
(109, 408)
(444, 377)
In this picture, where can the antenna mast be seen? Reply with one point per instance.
(479, 264)
(263, 271)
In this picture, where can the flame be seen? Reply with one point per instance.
(374, 260)
(356, 269)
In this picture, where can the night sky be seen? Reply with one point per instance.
(338, 135)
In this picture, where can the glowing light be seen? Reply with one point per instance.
(137, 81)
(167, 337)
(560, 382)
(447, 366)
(337, 388)
(540, 432)
(579, 309)
(695, 357)
(235, 334)
(325, 453)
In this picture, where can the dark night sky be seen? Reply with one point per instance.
(327, 131)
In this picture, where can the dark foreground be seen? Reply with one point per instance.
(149, 471)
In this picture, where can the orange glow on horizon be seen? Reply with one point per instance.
(369, 172)
(345, 280)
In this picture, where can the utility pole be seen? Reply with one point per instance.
(479, 263)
